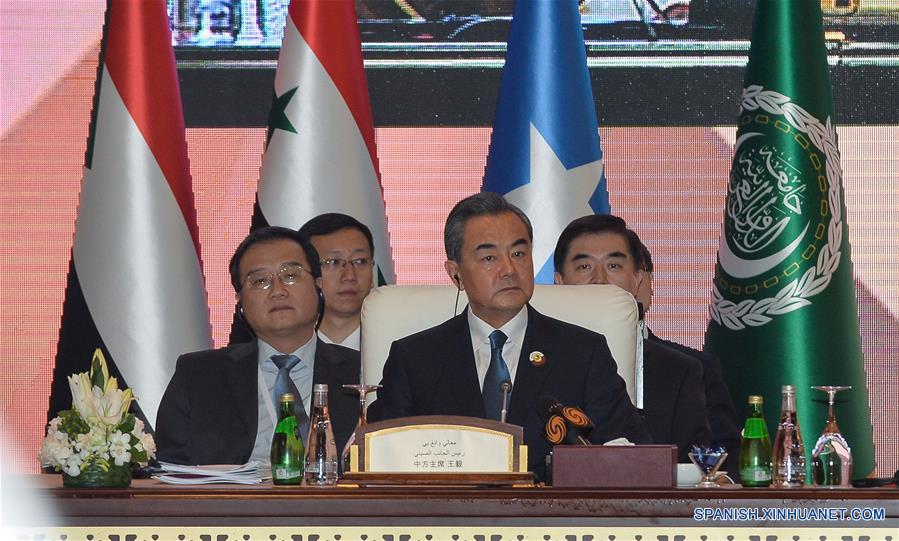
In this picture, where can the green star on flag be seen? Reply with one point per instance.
(277, 117)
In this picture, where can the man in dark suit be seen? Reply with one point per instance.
(719, 405)
(673, 399)
(221, 406)
(458, 367)
(600, 249)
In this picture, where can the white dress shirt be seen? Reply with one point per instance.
(514, 329)
(352, 341)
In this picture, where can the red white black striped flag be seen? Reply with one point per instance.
(135, 286)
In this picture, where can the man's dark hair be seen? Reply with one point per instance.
(595, 224)
(479, 204)
(269, 234)
(332, 222)
(647, 258)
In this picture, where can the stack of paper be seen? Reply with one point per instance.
(245, 474)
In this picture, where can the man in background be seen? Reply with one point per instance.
(600, 249)
(722, 416)
(346, 251)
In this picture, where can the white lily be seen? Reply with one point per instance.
(112, 404)
(82, 395)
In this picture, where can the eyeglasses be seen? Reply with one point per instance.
(334, 263)
(288, 274)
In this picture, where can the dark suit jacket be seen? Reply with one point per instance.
(722, 415)
(209, 412)
(433, 373)
(674, 406)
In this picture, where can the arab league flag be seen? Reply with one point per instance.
(783, 308)
(320, 149)
(545, 155)
(135, 286)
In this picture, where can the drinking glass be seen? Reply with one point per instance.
(831, 457)
(708, 460)
(363, 391)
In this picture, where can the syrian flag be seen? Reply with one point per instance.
(545, 155)
(320, 151)
(135, 286)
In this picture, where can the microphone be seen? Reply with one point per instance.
(876, 482)
(564, 424)
(506, 387)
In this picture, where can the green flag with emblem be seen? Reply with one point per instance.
(783, 307)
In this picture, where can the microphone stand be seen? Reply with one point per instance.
(506, 387)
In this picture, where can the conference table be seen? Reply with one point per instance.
(152, 511)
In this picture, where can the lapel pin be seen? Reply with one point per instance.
(537, 358)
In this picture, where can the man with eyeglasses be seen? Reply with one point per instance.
(221, 405)
(346, 249)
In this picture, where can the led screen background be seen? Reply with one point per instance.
(667, 141)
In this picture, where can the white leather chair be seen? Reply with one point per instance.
(393, 312)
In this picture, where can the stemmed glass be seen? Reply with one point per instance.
(363, 391)
(708, 460)
(831, 457)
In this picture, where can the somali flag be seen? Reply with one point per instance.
(545, 155)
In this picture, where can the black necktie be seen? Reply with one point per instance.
(284, 384)
(497, 373)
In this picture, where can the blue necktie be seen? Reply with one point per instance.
(497, 373)
(284, 384)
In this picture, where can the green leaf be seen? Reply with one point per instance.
(97, 379)
(127, 424)
(72, 424)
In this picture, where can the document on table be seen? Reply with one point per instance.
(245, 474)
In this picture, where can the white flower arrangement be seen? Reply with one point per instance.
(98, 430)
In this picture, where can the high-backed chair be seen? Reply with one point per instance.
(393, 312)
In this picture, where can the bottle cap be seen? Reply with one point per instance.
(788, 389)
(756, 399)
(321, 387)
(286, 397)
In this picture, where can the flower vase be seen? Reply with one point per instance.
(99, 474)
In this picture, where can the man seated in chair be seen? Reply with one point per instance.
(600, 249)
(718, 403)
(458, 367)
(221, 405)
(347, 250)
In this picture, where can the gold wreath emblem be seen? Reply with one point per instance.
(555, 430)
(575, 416)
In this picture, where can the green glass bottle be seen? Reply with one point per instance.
(755, 447)
(287, 447)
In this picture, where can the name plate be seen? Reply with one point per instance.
(439, 444)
